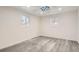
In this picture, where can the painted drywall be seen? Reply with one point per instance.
(78, 26)
(65, 29)
(12, 31)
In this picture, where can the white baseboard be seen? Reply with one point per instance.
(6, 46)
(60, 38)
(78, 41)
(23, 41)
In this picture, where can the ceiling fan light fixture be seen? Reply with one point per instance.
(44, 8)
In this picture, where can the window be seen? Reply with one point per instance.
(24, 20)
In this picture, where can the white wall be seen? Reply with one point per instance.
(65, 29)
(78, 25)
(13, 32)
(11, 29)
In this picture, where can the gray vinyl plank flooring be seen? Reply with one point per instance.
(44, 44)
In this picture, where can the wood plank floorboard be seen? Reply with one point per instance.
(44, 44)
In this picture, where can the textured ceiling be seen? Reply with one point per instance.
(35, 10)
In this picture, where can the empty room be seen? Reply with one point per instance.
(39, 29)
